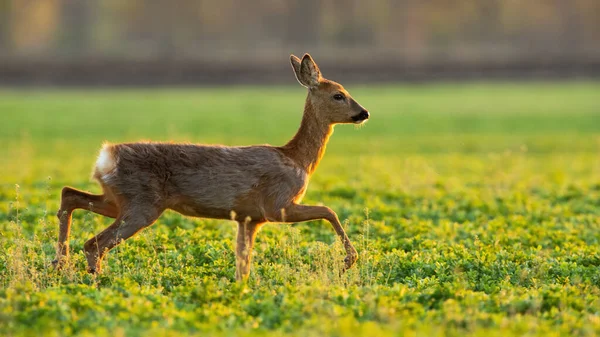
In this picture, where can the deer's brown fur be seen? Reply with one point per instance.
(249, 184)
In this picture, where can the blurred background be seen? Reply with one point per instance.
(143, 42)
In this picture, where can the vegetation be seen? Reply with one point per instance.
(408, 33)
(475, 209)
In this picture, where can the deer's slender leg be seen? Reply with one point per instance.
(72, 199)
(131, 221)
(243, 250)
(299, 213)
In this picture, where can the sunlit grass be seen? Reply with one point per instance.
(474, 207)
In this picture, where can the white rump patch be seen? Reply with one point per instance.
(106, 162)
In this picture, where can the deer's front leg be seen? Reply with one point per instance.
(243, 250)
(299, 213)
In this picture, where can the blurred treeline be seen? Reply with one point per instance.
(368, 33)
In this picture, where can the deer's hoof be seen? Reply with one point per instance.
(350, 260)
(59, 263)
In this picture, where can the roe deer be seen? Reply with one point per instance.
(250, 184)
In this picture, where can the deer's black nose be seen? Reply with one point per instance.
(364, 114)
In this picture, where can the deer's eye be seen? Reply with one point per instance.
(338, 97)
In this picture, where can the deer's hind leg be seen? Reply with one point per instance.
(132, 219)
(72, 199)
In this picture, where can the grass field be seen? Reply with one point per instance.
(475, 209)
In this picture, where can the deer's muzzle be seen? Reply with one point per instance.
(362, 116)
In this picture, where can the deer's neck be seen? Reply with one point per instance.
(308, 145)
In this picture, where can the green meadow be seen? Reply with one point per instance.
(475, 209)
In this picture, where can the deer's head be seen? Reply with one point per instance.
(333, 104)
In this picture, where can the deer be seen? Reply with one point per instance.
(251, 185)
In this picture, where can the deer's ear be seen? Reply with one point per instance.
(296, 66)
(307, 73)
